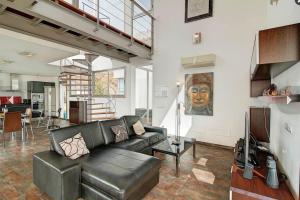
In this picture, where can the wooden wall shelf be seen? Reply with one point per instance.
(269, 71)
(280, 99)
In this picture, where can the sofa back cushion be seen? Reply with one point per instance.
(129, 121)
(108, 134)
(90, 132)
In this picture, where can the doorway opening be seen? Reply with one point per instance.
(144, 91)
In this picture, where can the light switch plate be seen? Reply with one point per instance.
(197, 38)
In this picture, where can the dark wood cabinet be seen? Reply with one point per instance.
(275, 50)
(49, 84)
(78, 112)
(279, 45)
(260, 123)
(37, 87)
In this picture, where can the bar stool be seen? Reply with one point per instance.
(28, 121)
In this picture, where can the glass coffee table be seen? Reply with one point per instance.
(167, 147)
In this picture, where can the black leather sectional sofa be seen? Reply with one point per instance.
(111, 170)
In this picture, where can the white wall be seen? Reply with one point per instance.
(230, 35)
(286, 12)
(286, 146)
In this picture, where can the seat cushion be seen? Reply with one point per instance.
(117, 172)
(152, 137)
(133, 144)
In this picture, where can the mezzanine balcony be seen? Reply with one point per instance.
(119, 29)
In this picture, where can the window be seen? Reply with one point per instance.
(109, 83)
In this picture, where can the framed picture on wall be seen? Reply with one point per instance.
(199, 94)
(198, 9)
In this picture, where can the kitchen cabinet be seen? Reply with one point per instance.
(38, 86)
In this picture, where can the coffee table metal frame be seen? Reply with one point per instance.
(168, 148)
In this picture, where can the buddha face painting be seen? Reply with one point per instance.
(199, 94)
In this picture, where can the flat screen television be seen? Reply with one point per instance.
(247, 138)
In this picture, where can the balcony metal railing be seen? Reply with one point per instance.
(89, 9)
(128, 16)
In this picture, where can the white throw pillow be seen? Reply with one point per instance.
(138, 128)
(74, 147)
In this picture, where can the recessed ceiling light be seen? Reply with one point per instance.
(27, 54)
(4, 62)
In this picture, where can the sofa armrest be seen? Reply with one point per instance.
(56, 175)
(156, 129)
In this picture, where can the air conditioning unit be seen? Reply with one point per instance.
(207, 60)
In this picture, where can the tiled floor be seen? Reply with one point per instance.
(204, 178)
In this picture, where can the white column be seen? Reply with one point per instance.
(132, 93)
(89, 99)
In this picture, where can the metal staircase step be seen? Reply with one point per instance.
(94, 104)
(103, 113)
(103, 118)
(102, 108)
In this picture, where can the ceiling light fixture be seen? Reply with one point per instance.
(27, 54)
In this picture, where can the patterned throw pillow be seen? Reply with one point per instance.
(74, 147)
(138, 128)
(120, 132)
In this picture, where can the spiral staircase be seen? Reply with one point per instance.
(77, 78)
